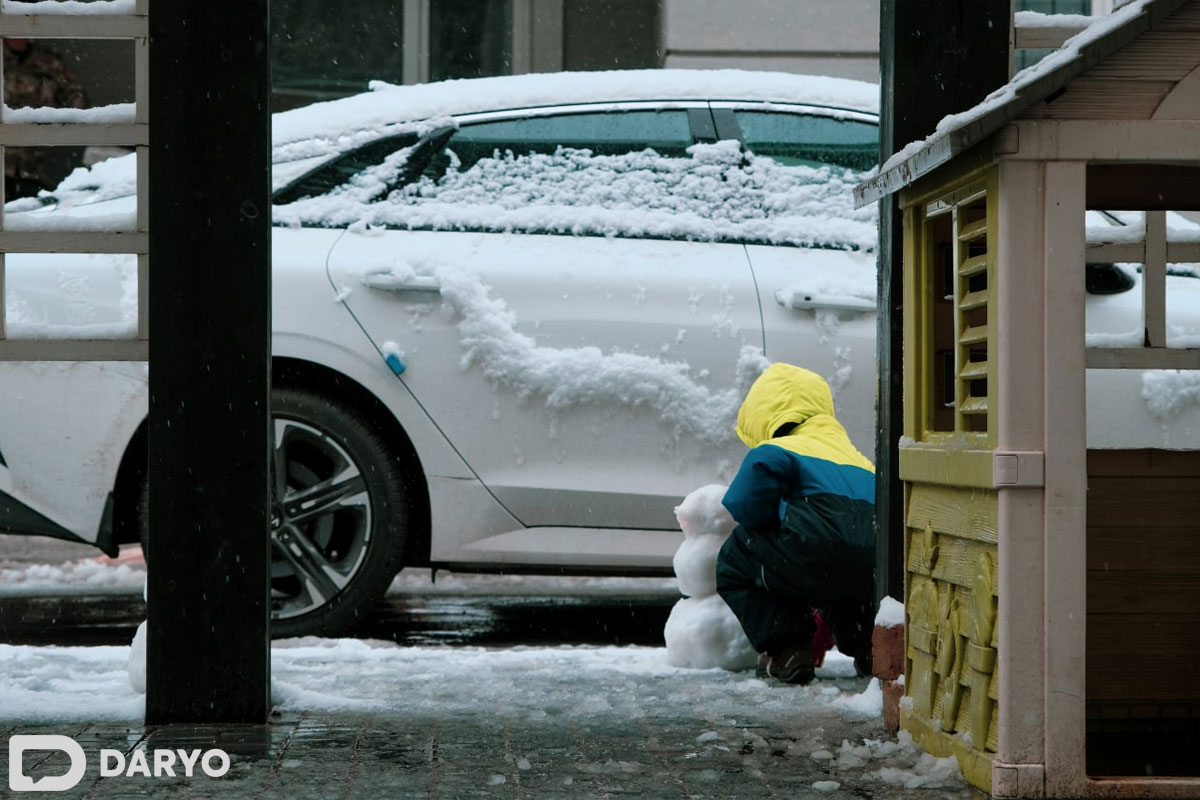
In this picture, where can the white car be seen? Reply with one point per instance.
(519, 312)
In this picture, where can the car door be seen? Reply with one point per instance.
(818, 295)
(581, 351)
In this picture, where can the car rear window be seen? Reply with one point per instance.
(795, 139)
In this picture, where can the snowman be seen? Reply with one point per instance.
(701, 631)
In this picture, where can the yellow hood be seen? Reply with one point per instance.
(786, 393)
(782, 394)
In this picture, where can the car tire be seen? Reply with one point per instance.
(330, 562)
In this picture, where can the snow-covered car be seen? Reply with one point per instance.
(524, 310)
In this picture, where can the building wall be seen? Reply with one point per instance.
(810, 36)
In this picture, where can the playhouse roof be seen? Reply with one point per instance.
(959, 132)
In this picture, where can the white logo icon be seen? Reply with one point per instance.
(18, 781)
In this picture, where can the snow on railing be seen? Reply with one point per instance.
(34, 232)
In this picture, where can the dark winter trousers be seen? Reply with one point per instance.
(759, 579)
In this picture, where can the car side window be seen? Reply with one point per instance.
(624, 174)
(810, 140)
(342, 169)
(602, 133)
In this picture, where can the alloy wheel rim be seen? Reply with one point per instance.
(321, 518)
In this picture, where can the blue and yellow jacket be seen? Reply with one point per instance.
(809, 480)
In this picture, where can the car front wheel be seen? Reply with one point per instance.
(339, 515)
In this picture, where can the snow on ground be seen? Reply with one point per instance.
(538, 685)
(545, 685)
(82, 577)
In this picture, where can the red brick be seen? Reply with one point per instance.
(887, 652)
(892, 692)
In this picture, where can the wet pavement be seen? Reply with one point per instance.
(666, 750)
(634, 618)
(343, 756)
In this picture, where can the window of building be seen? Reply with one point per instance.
(469, 38)
(611, 34)
(1025, 58)
(320, 52)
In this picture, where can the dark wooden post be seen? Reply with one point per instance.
(208, 646)
(937, 57)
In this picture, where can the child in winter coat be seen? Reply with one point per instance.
(804, 501)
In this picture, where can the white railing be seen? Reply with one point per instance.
(103, 19)
(1153, 248)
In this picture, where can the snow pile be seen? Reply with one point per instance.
(869, 703)
(136, 664)
(702, 631)
(113, 114)
(717, 193)
(123, 221)
(575, 375)
(899, 763)
(890, 614)
(537, 683)
(906, 765)
(552, 690)
(49, 684)
(1036, 19)
(72, 577)
(104, 180)
(1131, 338)
(80, 295)
(1169, 391)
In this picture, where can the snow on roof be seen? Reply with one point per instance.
(958, 132)
(387, 104)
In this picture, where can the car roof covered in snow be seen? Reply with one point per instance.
(307, 136)
(387, 104)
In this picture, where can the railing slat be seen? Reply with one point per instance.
(84, 26)
(74, 350)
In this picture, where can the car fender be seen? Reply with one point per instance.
(362, 363)
(65, 466)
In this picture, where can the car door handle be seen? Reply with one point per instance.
(389, 282)
(833, 302)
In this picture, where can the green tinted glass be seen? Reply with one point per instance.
(793, 139)
(604, 133)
